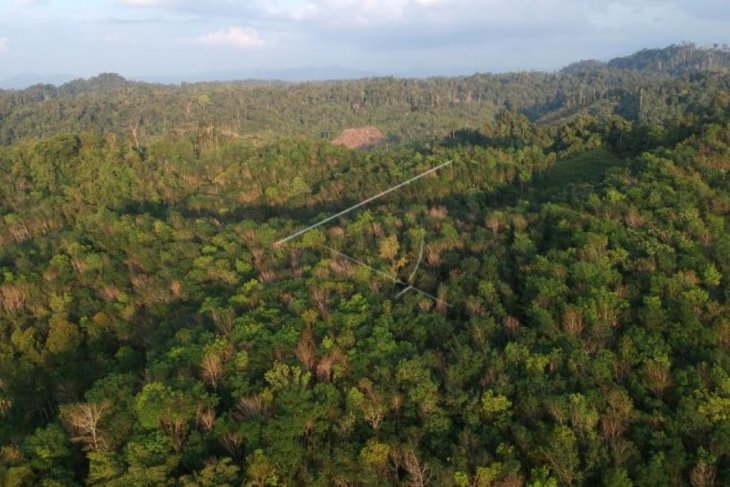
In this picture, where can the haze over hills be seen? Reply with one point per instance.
(675, 59)
(22, 81)
(310, 73)
(292, 75)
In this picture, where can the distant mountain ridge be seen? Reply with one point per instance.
(674, 60)
(317, 73)
(306, 73)
(22, 81)
(249, 76)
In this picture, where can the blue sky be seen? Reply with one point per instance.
(187, 37)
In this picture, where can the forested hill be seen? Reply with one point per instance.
(677, 60)
(550, 309)
(651, 86)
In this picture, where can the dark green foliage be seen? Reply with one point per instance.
(151, 333)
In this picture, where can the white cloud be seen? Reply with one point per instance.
(146, 3)
(4, 44)
(373, 35)
(363, 13)
(414, 24)
(239, 37)
(456, 12)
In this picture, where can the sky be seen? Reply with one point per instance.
(189, 37)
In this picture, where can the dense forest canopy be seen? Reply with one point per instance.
(638, 88)
(576, 248)
(677, 59)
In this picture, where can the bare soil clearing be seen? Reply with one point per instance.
(359, 138)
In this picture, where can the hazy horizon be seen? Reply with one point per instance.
(292, 74)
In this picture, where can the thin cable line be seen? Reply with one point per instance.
(420, 256)
(428, 295)
(403, 291)
(387, 276)
(364, 202)
(359, 262)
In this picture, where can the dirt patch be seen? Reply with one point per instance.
(359, 138)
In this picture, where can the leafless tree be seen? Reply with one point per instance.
(83, 420)
(211, 368)
(205, 417)
(703, 475)
(306, 350)
(419, 475)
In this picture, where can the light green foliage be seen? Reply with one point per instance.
(583, 417)
(618, 478)
(314, 239)
(716, 405)
(158, 404)
(216, 474)
(49, 452)
(104, 467)
(711, 276)
(540, 477)
(374, 457)
(299, 187)
(282, 376)
(488, 476)
(495, 407)
(389, 247)
(577, 246)
(62, 336)
(260, 471)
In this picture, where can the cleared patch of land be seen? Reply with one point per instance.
(359, 138)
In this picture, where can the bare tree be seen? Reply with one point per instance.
(419, 475)
(13, 297)
(573, 322)
(232, 441)
(5, 403)
(83, 420)
(703, 475)
(205, 417)
(134, 128)
(212, 368)
(320, 298)
(177, 430)
(306, 350)
(657, 376)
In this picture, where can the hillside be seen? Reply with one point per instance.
(674, 60)
(678, 59)
(528, 285)
(632, 88)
